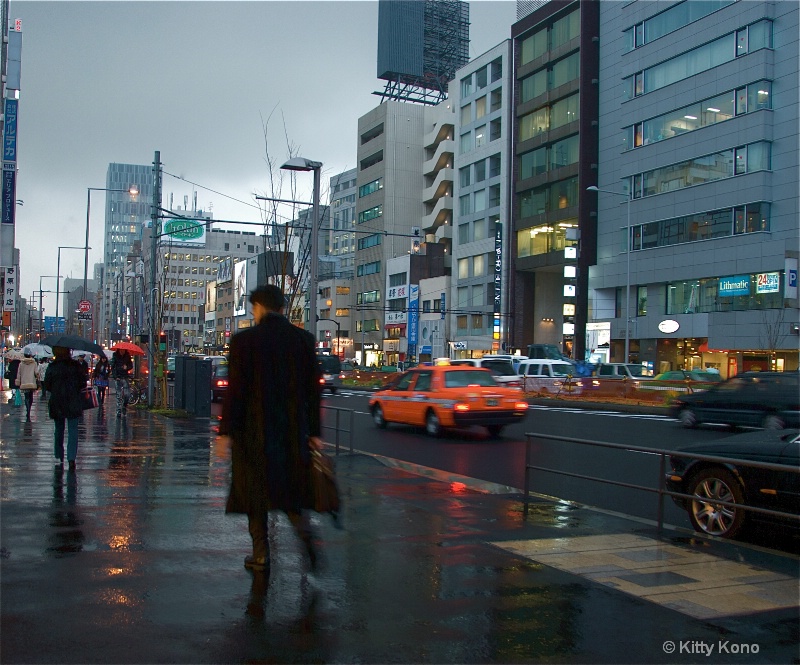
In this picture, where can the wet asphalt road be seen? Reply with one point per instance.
(130, 559)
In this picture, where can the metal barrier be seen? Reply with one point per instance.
(660, 490)
(337, 428)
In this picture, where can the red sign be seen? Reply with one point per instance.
(84, 306)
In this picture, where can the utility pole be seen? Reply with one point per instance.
(154, 234)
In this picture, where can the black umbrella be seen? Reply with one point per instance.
(73, 342)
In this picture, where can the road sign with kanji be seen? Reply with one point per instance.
(85, 306)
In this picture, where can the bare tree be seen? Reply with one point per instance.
(773, 330)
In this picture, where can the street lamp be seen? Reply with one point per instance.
(58, 270)
(303, 164)
(628, 270)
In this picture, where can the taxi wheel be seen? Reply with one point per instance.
(377, 416)
(432, 425)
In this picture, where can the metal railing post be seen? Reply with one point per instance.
(662, 465)
(526, 491)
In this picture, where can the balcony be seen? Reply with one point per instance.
(442, 185)
(442, 131)
(442, 158)
(441, 212)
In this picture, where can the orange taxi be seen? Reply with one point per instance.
(441, 396)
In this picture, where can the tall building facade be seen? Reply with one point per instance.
(481, 234)
(697, 246)
(555, 160)
(126, 216)
(389, 207)
(339, 233)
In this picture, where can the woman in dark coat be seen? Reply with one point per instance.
(271, 413)
(100, 375)
(11, 375)
(64, 380)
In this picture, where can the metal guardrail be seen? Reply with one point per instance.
(337, 426)
(661, 489)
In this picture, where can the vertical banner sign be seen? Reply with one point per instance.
(10, 289)
(413, 319)
(10, 131)
(442, 306)
(9, 160)
(498, 281)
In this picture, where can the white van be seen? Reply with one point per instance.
(549, 376)
(501, 368)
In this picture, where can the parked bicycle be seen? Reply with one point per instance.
(137, 391)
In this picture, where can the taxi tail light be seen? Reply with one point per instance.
(520, 406)
(341, 376)
(461, 407)
(222, 382)
(322, 382)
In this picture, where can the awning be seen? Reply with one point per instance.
(395, 325)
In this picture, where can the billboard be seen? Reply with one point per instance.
(240, 288)
(185, 231)
(225, 270)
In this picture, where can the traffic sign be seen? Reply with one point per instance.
(84, 316)
(85, 306)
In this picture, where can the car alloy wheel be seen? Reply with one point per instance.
(377, 416)
(432, 425)
(705, 513)
(688, 418)
(771, 421)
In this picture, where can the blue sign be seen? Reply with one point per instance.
(425, 349)
(738, 285)
(9, 190)
(53, 326)
(442, 309)
(413, 316)
(10, 131)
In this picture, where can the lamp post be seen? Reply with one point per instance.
(628, 266)
(303, 164)
(58, 270)
(41, 277)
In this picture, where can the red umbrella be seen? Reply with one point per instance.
(128, 346)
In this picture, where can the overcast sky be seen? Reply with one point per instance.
(115, 81)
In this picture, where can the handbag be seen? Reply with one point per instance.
(323, 484)
(101, 382)
(17, 397)
(89, 398)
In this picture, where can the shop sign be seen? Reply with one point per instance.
(668, 326)
(768, 282)
(738, 285)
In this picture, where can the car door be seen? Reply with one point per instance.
(724, 404)
(420, 400)
(394, 404)
(787, 485)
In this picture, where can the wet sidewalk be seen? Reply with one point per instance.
(131, 559)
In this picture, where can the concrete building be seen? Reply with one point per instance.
(481, 234)
(339, 234)
(555, 159)
(389, 207)
(699, 151)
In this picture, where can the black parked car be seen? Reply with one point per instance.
(757, 399)
(737, 483)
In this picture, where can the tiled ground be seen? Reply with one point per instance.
(695, 583)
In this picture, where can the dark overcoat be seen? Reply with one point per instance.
(271, 407)
(64, 380)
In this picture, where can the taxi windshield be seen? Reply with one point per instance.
(464, 378)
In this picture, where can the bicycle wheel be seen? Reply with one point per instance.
(133, 394)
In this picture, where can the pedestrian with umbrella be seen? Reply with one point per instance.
(121, 368)
(65, 380)
(26, 381)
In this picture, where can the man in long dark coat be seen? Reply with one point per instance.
(271, 418)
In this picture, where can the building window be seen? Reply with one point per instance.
(398, 279)
(374, 158)
(463, 268)
(750, 218)
(370, 187)
(466, 142)
(565, 70)
(480, 107)
(641, 301)
(700, 59)
(544, 238)
(462, 295)
(533, 124)
(532, 47)
(532, 86)
(495, 129)
(754, 97)
(700, 170)
(464, 176)
(565, 29)
(479, 265)
(461, 322)
(480, 171)
(671, 20)
(726, 294)
(480, 201)
(369, 268)
(369, 241)
(466, 86)
(477, 322)
(494, 196)
(494, 166)
(480, 136)
(564, 152)
(375, 132)
(496, 69)
(463, 234)
(481, 78)
(564, 111)
(370, 213)
(496, 99)
(466, 114)
(464, 205)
